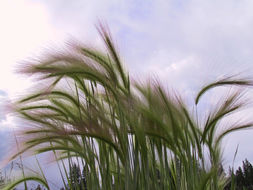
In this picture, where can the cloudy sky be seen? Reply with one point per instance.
(185, 43)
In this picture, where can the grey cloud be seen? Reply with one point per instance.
(3, 102)
(3, 93)
(4, 143)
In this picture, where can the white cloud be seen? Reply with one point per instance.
(25, 28)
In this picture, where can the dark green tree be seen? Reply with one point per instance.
(239, 178)
(243, 177)
(77, 178)
(2, 181)
(248, 174)
(38, 187)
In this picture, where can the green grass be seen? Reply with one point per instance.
(127, 135)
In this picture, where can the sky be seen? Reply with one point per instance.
(184, 43)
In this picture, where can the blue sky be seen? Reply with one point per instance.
(185, 43)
